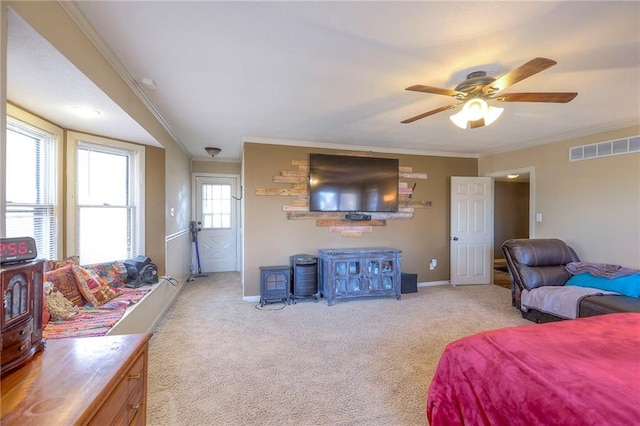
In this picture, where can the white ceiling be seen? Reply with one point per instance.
(335, 72)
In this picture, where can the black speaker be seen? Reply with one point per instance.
(138, 262)
(408, 283)
(140, 271)
(149, 274)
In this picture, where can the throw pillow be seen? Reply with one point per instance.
(628, 285)
(57, 264)
(46, 290)
(59, 307)
(94, 291)
(64, 280)
(112, 273)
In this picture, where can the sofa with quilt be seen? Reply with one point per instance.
(550, 283)
(86, 300)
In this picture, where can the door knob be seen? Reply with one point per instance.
(455, 238)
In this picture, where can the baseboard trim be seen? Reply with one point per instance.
(254, 299)
(433, 283)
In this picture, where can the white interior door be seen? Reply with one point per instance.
(217, 212)
(471, 230)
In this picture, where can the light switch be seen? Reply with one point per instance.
(172, 211)
(538, 217)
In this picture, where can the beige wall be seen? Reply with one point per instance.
(511, 213)
(154, 203)
(270, 238)
(222, 167)
(594, 205)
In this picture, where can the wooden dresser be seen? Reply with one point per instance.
(78, 381)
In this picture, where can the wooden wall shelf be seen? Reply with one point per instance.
(298, 181)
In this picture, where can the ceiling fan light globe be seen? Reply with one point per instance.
(475, 109)
(459, 119)
(492, 114)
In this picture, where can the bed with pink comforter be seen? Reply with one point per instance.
(575, 372)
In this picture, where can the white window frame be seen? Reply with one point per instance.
(58, 134)
(73, 139)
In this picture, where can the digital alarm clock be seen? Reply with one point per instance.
(21, 249)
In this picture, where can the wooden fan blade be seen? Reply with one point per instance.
(558, 97)
(428, 113)
(436, 90)
(532, 67)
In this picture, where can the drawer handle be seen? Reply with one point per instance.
(22, 332)
(134, 377)
(135, 407)
(22, 348)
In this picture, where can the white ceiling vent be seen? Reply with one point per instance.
(605, 149)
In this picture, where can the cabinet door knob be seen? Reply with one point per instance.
(22, 348)
(135, 407)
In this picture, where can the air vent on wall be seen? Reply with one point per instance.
(605, 149)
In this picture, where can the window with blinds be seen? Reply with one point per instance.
(107, 203)
(31, 186)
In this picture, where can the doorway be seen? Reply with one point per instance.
(513, 206)
(217, 214)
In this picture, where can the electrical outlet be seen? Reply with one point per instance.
(433, 264)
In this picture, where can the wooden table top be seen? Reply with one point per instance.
(67, 382)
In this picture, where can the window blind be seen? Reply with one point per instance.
(31, 186)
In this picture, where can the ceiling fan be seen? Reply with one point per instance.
(478, 88)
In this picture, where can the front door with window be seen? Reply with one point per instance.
(217, 212)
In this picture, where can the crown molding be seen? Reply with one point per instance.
(87, 28)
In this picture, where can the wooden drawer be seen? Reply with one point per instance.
(135, 377)
(16, 342)
(127, 399)
(112, 411)
(18, 334)
(136, 405)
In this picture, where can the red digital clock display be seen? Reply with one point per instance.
(17, 249)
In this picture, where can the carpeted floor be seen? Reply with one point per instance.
(216, 360)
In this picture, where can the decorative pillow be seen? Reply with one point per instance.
(113, 274)
(64, 280)
(59, 306)
(57, 264)
(628, 285)
(46, 290)
(94, 291)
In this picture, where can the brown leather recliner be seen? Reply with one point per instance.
(534, 263)
(539, 262)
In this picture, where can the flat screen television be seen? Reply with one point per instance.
(342, 183)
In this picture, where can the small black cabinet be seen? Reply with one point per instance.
(275, 282)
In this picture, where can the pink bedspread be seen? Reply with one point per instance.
(576, 372)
